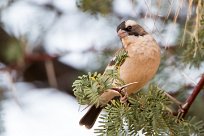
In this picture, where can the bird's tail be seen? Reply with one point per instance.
(90, 117)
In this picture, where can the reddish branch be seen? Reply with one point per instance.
(38, 57)
(29, 58)
(186, 106)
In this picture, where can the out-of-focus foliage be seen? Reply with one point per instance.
(1, 120)
(11, 50)
(96, 6)
(193, 52)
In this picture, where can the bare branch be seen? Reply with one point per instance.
(186, 106)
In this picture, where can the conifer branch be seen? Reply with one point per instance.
(146, 110)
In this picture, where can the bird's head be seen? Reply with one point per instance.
(130, 27)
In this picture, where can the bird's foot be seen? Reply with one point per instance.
(123, 92)
(124, 96)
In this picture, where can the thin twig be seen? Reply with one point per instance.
(51, 76)
(173, 99)
(178, 11)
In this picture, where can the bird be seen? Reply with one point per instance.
(138, 68)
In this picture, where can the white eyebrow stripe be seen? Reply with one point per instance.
(130, 23)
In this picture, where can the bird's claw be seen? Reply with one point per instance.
(123, 92)
(124, 96)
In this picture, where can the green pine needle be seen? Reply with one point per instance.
(88, 88)
(147, 111)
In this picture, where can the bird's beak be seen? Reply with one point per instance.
(122, 33)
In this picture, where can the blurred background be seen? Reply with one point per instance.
(46, 44)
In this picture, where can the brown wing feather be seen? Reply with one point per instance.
(114, 59)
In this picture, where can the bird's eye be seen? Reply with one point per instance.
(129, 28)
